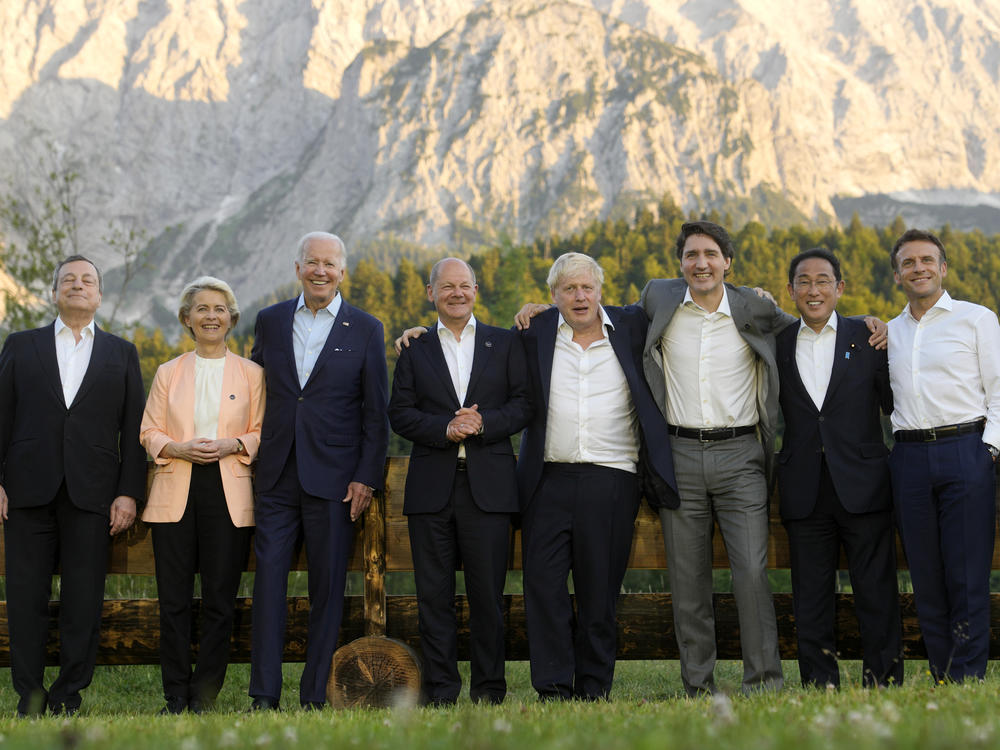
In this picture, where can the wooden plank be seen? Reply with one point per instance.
(130, 628)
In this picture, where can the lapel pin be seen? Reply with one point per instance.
(345, 323)
(847, 355)
(489, 344)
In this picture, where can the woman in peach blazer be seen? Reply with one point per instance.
(202, 428)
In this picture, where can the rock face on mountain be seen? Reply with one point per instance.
(227, 129)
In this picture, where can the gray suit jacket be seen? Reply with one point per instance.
(757, 320)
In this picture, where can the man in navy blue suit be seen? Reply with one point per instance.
(578, 476)
(322, 454)
(833, 476)
(459, 393)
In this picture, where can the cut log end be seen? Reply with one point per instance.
(374, 672)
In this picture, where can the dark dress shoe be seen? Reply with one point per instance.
(263, 703)
(61, 709)
(489, 699)
(313, 706)
(175, 705)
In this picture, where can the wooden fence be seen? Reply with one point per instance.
(130, 627)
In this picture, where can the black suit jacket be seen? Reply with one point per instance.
(424, 401)
(337, 421)
(93, 444)
(847, 429)
(627, 339)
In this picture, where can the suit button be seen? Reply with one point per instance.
(822, 418)
(302, 398)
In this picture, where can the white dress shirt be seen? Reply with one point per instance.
(945, 367)
(309, 334)
(591, 417)
(73, 357)
(458, 356)
(814, 353)
(709, 369)
(207, 395)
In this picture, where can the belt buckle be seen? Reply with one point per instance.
(701, 436)
(930, 435)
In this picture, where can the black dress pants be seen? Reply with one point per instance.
(37, 540)
(814, 543)
(461, 531)
(580, 520)
(204, 541)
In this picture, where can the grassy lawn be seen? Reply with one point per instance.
(647, 711)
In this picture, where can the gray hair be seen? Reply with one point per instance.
(207, 284)
(436, 270)
(571, 264)
(307, 238)
(74, 259)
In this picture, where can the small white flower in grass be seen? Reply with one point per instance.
(722, 708)
(263, 740)
(189, 743)
(501, 725)
(290, 735)
(96, 733)
(931, 706)
(386, 722)
(228, 738)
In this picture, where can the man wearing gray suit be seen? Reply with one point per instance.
(709, 360)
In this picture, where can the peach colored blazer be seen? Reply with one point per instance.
(169, 417)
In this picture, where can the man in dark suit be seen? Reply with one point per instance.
(833, 476)
(577, 477)
(71, 468)
(459, 393)
(322, 454)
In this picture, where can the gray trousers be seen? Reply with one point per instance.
(724, 481)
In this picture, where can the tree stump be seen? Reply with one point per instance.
(374, 672)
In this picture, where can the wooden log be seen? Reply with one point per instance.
(130, 628)
(373, 538)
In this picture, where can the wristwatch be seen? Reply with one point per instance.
(994, 451)
(239, 446)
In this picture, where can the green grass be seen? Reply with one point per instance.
(647, 711)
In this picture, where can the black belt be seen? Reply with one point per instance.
(938, 433)
(462, 466)
(711, 434)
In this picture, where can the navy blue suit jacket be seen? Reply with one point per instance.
(93, 444)
(337, 422)
(847, 429)
(627, 339)
(424, 401)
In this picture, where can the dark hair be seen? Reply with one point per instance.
(814, 252)
(916, 235)
(717, 233)
(74, 259)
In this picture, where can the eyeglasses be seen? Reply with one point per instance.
(822, 285)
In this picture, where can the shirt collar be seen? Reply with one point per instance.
(333, 308)
(605, 320)
(723, 308)
(441, 327)
(944, 303)
(830, 324)
(87, 329)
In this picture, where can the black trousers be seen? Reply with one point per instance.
(869, 543)
(580, 520)
(461, 532)
(37, 539)
(204, 541)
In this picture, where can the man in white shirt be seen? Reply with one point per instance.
(709, 360)
(833, 477)
(71, 469)
(458, 394)
(577, 477)
(944, 366)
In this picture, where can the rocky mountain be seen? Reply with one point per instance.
(226, 129)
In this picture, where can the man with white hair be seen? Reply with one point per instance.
(578, 476)
(322, 454)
